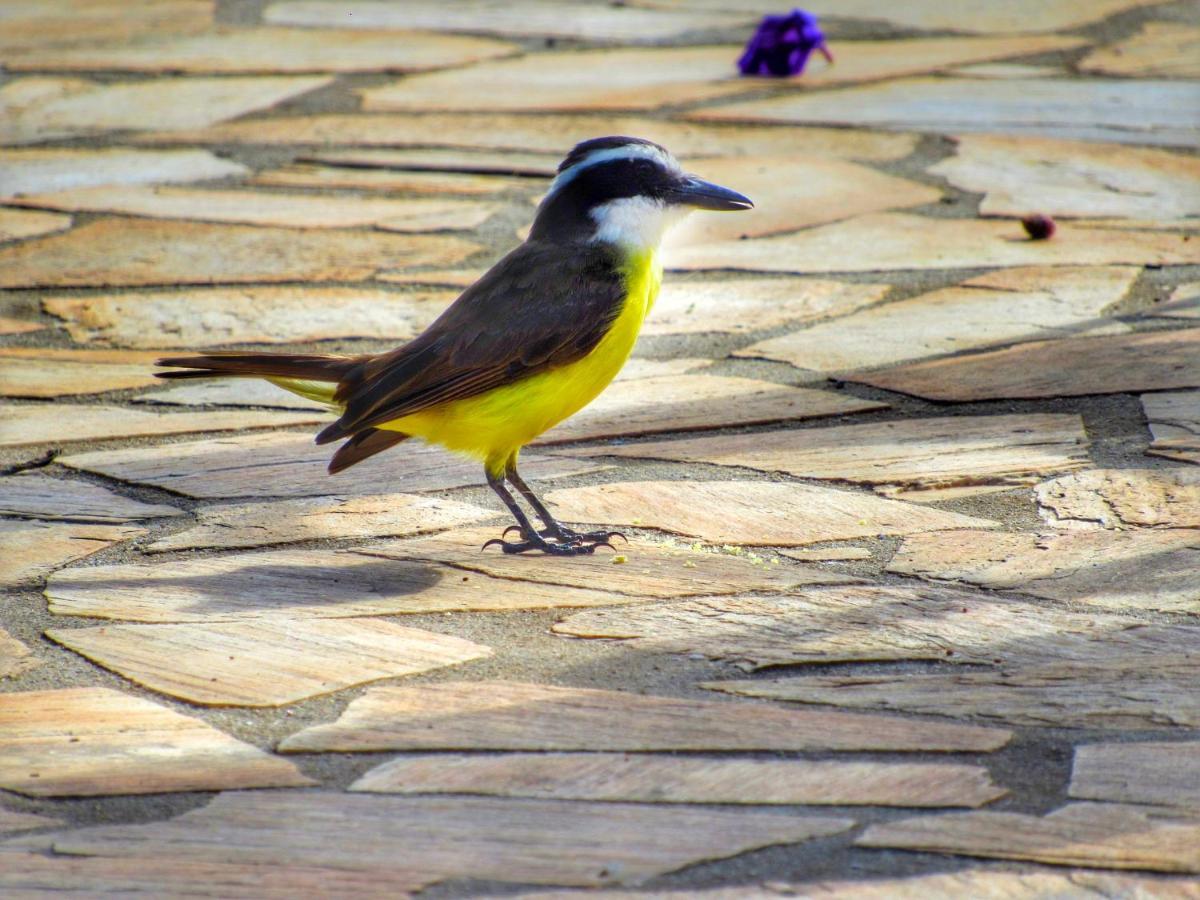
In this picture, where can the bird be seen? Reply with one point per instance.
(534, 340)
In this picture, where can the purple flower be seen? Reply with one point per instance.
(782, 44)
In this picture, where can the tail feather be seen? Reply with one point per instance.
(259, 365)
(364, 444)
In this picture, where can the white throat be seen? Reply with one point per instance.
(637, 223)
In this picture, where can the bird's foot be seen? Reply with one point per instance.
(569, 536)
(577, 545)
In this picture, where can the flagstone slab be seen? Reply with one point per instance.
(46, 372)
(267, 51)
(392, 180)
(91, 741)
(525, 841)
(459, 278)
(45, 423)
(11, 822)
(440, 159)
(1001, 307)
(673, 779)
(38, 109)
(519, 18)
(551, 134)
(1122, 498)
(10, 325)
(753, 304)
(1071, 367)
(302, 584)
(1012, 17)
(1107, 836)
(193, 318)
(501, 715)
(38, 873)
(698, 402)
(1135, 569)
(1144, 772)
(1183, 304)
(291, 465)
(903, 454)
(828, 554)
(36, 496)
(117, 252)
(31, 550)
(228, 392)
(272, 661)
(792, 192)
(1174, 418)
(1020, 175)
(860, 623)
(651, 569)
(40, 171)
(48, 23)
(1121, 111)
(18, 224)
(261, 524)
(751, 512)
(898, 241)
(267, 208)
(1157, 50)
(15, 659)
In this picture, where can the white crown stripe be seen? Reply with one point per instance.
(627, 151)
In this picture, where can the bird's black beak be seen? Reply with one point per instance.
(693, 191)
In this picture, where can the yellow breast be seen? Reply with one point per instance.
(494, 426)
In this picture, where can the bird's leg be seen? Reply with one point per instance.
(555, 528)
(531, 540)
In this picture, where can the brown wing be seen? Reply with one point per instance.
(541, 307)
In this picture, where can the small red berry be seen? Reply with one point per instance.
(1039, 227)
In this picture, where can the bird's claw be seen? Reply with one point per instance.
(567, 536)
(578, 545)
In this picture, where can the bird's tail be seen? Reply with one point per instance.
(314, 377)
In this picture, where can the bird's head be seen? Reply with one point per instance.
(625, 191)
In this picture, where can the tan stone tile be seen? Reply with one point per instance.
(791, 192)
(31, 550)
(302, 584)
(553, 134)
(828, 554)
(41, 372)
(865, 623)
(501, 715)
(1135, 569)
(599, 79)
(1022, 175)
(1011, 17)
(885, 241)
(43, 423)
(1158, 50)
(17, 224)
(116, 252)
(698, 402)
(1153, 773)
(1009, 70)
(272, 661)
(268, 208)
(19, 326)
(227, 392)
(39, 171)
(391, 180)
(1122, 498)
(15, 659)
(1183, 304)
(459, 278)
(260, 524)
(291, 465)
(440, 159)
(36, 873)
(11, 822)
(651, 569)
(750, 512)
(38, 109)
(269, 51)
(1072, 367)
(95, 741)
(1130, 112)
(1079, 834)
(525, 841)
(753, 304)
(193, 318)
(999, 308)
(674, 779)
(38, 496)
(1174, 418)
(909, 454)
(519, 18)
(49, 23)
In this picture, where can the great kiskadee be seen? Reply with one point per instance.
(532, 342)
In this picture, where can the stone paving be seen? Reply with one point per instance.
(909, 603)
